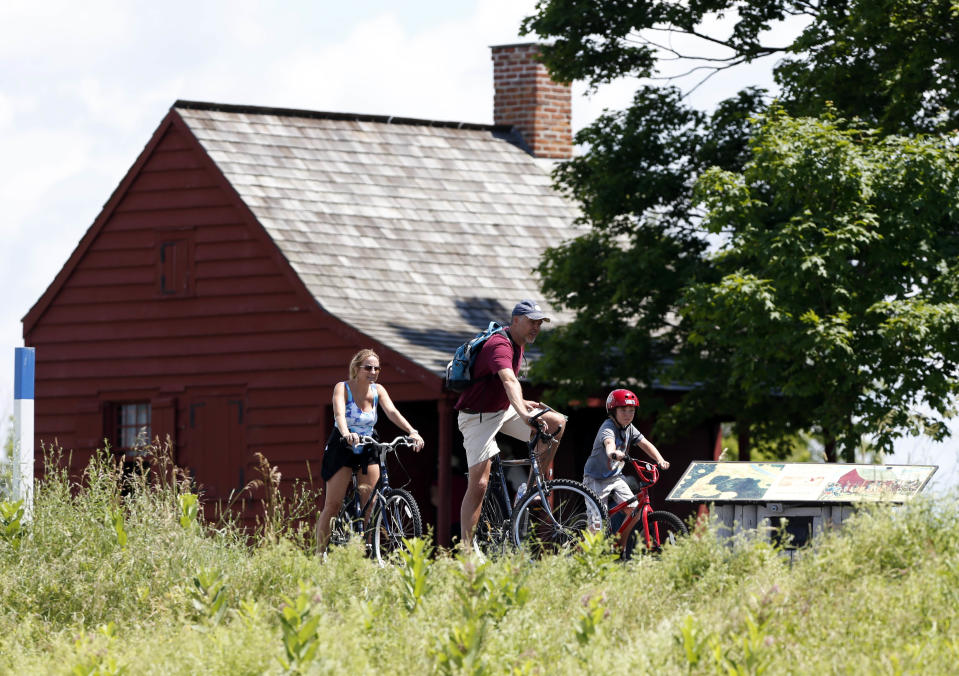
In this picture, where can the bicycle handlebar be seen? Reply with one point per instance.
(650, 467)
(399, 441)
(534, 419)
(629, 456)
(541, 428)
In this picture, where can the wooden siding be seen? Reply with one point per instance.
(244, 332)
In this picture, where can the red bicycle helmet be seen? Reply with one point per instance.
(618, 398)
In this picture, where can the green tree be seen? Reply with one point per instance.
(893, 63)
(625, 276)
(648, 258)
(835, 309)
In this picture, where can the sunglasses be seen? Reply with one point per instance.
(370, 368)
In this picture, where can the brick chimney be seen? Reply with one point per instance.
(528, 99)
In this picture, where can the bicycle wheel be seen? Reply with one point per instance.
(396, 518)
(557, 526)
(341, 524)
(491, 532)
(664, 528)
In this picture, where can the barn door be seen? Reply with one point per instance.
(217, 446)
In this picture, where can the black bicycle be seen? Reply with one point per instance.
(395, 514)
(551, 515)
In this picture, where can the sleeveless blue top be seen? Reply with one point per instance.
(359, 421)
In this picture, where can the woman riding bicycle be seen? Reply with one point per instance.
(603, 473)
(355, 405)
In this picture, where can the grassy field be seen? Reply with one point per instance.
(103, 584)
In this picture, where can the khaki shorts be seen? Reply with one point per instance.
(480, 430)
(614, 487)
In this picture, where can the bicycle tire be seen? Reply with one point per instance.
(667, 525)
(396, 518)
(575, 509)
(341, 525)
(492, 529)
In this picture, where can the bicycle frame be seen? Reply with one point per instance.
(535, 475)
(498, 477)
(388, 517)
(359, 513)
(639, 506)
(498, 480)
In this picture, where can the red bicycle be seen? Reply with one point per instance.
(642, 525)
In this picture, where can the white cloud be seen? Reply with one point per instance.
(9, 108)
(107, 107)
(34, 161)
(62, 33)
(924, 451)
(443, 72)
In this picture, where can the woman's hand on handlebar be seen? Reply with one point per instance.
(352, 438)
(418, 442)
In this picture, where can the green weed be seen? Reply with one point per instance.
(593, 613)
(115, 518)
(189, 509)
(484, 600)
(595, 555)
(299, 624)
(208, 596)
(11, 522)
(96, 658)
(414, 571)
(878, 596)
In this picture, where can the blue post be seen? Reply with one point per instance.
(23, 380)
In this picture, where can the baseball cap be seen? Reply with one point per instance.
(531, 309)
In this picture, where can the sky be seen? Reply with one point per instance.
(83, 85)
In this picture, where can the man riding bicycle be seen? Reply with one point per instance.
(494, 403)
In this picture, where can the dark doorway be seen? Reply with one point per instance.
(217, 457)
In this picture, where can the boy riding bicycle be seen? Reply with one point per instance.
(603, 473)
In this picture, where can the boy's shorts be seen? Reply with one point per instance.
(614, 487)
(480, 430)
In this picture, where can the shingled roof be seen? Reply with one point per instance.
(416, 233)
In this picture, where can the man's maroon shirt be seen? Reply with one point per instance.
(486, 394)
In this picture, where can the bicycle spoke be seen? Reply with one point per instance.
(558, 525)
(397, 518)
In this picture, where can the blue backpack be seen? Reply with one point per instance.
(459, 372)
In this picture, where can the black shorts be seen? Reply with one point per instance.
(339, 454)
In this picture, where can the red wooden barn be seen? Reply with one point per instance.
(249, 252)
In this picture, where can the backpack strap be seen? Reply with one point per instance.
(503, 330)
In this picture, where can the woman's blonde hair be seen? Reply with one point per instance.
(358, 359)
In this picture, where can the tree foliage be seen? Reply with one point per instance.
(894, 63)
(822, 283)
(836, 302)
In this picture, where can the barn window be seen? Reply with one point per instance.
(131, 431)
(175, 265)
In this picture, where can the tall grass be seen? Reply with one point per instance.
(104, 581)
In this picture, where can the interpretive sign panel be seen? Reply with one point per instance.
(799, 482)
